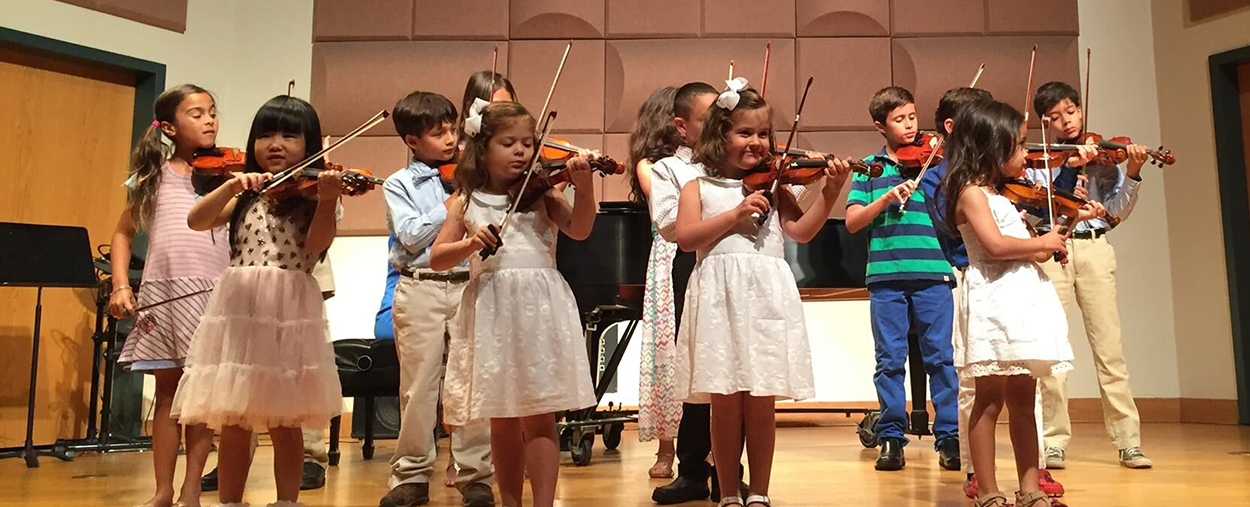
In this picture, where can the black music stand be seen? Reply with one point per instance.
(42, 256)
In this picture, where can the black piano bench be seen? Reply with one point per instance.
(368, 368)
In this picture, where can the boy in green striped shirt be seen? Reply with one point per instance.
(909, 282)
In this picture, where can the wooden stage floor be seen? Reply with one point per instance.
(815, 466)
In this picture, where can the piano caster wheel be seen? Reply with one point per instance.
(867, 429)
(584, 448)
(612, 435)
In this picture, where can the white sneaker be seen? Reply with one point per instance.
(1133, 457)
(1055, 459)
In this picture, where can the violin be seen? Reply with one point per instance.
(356, 181)
(925, 148)
(556, 152)
(216, 164)
(1034, 198)
(872, 170)
(555, 172)
(1110, 152)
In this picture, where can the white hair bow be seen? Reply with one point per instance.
(728, 99)
(473, 123)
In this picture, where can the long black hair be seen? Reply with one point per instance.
(286, 115)
(986, 137)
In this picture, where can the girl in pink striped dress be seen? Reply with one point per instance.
(179, 262)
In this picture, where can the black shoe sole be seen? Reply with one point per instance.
(891, 467)
(690, 496)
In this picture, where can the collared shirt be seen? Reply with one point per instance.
(901, 246)
(668, 176)
(415, 214)
(952, 246)
(1109, 185)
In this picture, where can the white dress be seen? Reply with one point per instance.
(1012, 319)
(517, 347)
(743, 326)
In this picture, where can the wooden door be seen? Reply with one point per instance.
(65, 138)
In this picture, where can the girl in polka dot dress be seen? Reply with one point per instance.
(261, 358)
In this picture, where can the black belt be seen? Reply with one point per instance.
(1089, 234)
(439, 276)
(1086, 234)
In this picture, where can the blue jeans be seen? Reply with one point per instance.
(927, 307)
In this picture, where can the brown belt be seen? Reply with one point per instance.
(438, 276)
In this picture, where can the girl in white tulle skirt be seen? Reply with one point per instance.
(261, 358)
(516, 355)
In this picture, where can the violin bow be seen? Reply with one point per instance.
(494, 62)
(533, 163)
(1028, 93)
(794, 129)
(290, 88)
(297, 168)
(977, 77)
(559, 70)
(1089, 55)
(731, 70)
(768, 51)
(172, 299)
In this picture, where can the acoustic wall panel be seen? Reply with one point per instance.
(847, 71)
(579, 94)
(557, 19)
(938, 17)
(842, 18)
(638, 19)
(461, 19)
(362, 20)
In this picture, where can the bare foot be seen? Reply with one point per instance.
(449, 480)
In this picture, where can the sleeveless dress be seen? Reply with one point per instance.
(179, 262)
(261, 357)
(516, 346)
(1010, 314)
(743, 327)
(659, 409)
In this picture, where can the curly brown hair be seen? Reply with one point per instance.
(471, 175)
(654, 136)
(712, 149)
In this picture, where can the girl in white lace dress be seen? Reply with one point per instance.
(516, 354)
(743, 341)
(1014, 325)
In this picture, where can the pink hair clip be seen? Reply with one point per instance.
(156, 123)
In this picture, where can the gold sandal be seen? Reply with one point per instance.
(1033, 499)
(996, 499)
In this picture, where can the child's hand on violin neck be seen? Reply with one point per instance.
(249, 181)
(754, 204)
(1083, 154)
(329, 184)
(902, 192)
(837, 169)
(1091, 210)
(579, 169)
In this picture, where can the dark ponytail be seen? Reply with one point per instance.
(150, 153)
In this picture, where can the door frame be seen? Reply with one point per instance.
(1231, 164)
(149, 76)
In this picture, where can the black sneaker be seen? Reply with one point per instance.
(682, 489)
(314, 476)
(209, 481)
(948, 453)
(891, 457)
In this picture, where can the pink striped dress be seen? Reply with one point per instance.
(179, 261)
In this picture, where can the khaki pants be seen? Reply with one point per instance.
(1089, 282)
(967, 392)
(423, 313)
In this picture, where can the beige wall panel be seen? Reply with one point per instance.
(362, 20)
(557, 19)
(748, 18)
(578, 96)
(938, 17)
(842, 18)
(635, 68)
(353, 80)
(848, 71)
(639, 19)
(461, 19)
(167, 14)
